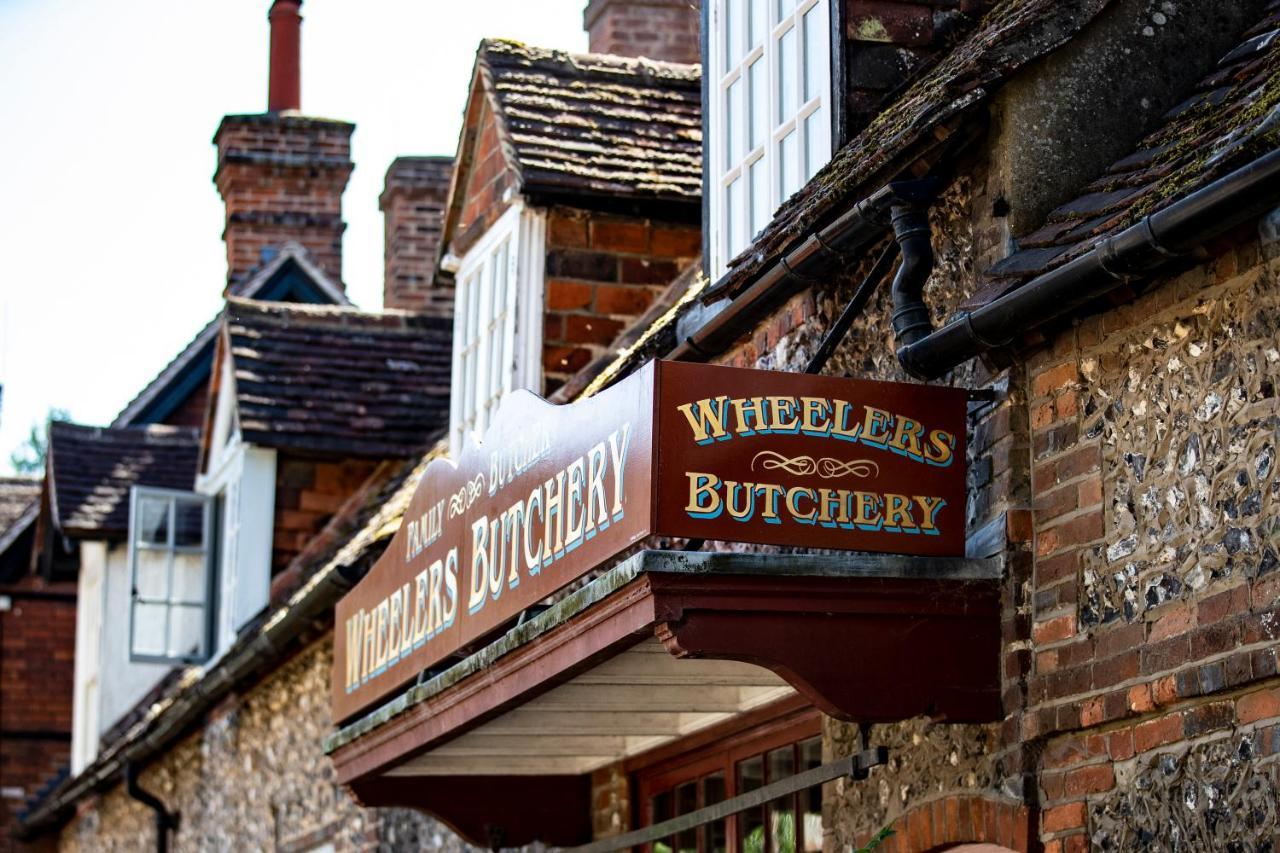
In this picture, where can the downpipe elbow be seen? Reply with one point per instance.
(911, 319)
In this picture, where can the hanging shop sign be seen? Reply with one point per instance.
(550, 493)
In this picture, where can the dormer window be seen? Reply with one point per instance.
(497, 320)
(770, 117)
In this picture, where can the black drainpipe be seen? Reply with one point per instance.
(837, 244)
(910, 314)
(166, 821)
(1169, 234)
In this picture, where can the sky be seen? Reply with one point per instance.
(111, 256)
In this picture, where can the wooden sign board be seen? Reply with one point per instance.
(689, 450)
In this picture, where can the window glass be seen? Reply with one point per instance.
(757, 104)
(188, 524)
(736, 218)
(782, 811)
(787, 74)
(788, 164)
(151, 574)
(815, 60)
(732, 109)
(149, 628)
(660, 810)
(751, 832)
(757, 24)
(811, 799)
(170, 562)
(734, 31)
(687, 801)
(758, 178)
(713, 791)
(153, 521)
(815, 136)
(770, 107)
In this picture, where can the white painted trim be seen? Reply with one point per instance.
(86, 698)
(776, 126)
(524, 229)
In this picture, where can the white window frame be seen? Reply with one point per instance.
(733, 206)
(207, 550)
(242, 477)
(513, 333)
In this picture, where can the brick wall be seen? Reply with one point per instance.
(657, 29)
(190, 413)
(412, 205)
(603, 271)
(37, 647)
(1156, 597)
(886, 40)
(281, 177)
(308, 493)
(490, 182)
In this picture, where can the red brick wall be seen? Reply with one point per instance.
(37, 649)
(308, 493)
(945, 821)
(490, 180)
(1156, 603)
(603, 271)
(657, 29)
(281, 178)
(191, 412)
(412, 205)
(887, 40)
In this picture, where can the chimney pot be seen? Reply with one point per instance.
(284, 89)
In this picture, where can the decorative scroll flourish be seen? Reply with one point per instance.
(466, 496)
(825, 467)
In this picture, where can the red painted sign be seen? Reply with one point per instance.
(687, 450)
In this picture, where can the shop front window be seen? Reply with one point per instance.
(788, 824)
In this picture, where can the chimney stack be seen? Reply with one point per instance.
(412, 205)
(658, 29)
(284, 89)
(281, 174)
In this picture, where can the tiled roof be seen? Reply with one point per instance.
(17, 494)
(337, 380)
(352, 540)
(597, 124)
(1230, 118)
(200, 348)
(1012, 34)
(92, 469)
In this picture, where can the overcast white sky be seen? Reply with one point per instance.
(111, 256)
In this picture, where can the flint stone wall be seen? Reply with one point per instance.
(255, 778)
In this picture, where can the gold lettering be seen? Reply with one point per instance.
(708, 423)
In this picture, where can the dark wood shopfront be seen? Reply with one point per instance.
(700, 676)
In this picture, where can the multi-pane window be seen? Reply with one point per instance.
(769, 112)
(170, 557)
(788, 824)
(490, 345)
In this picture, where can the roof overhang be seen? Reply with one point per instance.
(662, 646)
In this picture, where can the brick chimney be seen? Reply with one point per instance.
(412, 204)
(657, 29)
(282, 174)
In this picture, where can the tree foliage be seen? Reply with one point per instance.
(29, 456)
